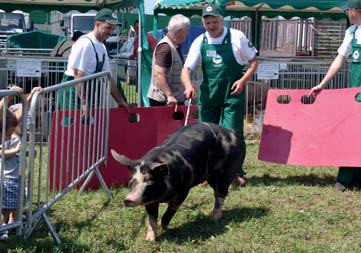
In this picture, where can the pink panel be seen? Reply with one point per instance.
(134, 139)
(324, 133)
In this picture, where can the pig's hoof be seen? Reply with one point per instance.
(151, 237)
(216, 215)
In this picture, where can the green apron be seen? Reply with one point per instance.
(216, 104)
(70, 92)
(350, 175)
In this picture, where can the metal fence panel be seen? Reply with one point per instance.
(71, 142)
(6, 97)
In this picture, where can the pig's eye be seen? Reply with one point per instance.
(147, 178)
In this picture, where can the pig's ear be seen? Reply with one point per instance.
(159, 167)
(122, 159)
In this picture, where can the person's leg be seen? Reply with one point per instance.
(232, 118)
(209, 113)
(12, 216)
(356, 181)
(4, 216)
(344, 178)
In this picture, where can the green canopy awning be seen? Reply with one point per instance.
(240, 8)
(63, 5)
(321, 5)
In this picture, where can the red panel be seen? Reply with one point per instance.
(69, 143)
(134, 139)
(324, 133)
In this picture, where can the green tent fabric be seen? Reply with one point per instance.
(320, 5)
(63, 5)
(269, 8)
(34, 39)
(145, 58)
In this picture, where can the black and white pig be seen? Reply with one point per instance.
(188, 157)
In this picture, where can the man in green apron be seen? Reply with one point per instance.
(88, 56)
(223, 53)
(347, 177)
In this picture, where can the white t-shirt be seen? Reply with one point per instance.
(82, 55)
(12, 163)
(243, 50)
(346, 47)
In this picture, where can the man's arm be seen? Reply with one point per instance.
(187, 82)
(239, 85)
(160, 77)
(78, 74)
(332, 71)
(117, 95)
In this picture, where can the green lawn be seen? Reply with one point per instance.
(282, 209)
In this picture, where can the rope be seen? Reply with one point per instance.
(324, 34)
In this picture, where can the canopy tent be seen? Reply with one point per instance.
(238, 8)
(84, 6)
(63, 5)
(256, 9)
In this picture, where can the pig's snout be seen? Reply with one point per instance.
(132, 200)
(129, 203)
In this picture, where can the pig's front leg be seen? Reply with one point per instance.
(152, 210)
(171, 210)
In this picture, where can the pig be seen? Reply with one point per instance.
(192, 155)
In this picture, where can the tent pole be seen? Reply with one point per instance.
(139, 72)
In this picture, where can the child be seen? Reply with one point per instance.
(11, 150)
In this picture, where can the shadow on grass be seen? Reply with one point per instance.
(307, 180)
(42, 242)
(202, 228)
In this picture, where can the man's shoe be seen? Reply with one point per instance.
(339, 187)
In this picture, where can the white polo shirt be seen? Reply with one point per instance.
(82, 55)
(243, 50)
(346, 47)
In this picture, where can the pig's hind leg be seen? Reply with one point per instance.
(220, 188)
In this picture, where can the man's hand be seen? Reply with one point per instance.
(237, 87)
(315, 90)
(171, 100)
(123, 104)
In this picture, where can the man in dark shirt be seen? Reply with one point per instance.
(151, 41)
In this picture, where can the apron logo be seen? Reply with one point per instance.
(356, 55)
(217, 60)
(250, 45)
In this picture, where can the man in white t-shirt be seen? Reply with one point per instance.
(88, 56)
(223, 53)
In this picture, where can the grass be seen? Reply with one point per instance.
(282, 209)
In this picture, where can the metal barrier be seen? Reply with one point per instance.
(28, 72)
(71, 142)
(292, 73)
(5, 96)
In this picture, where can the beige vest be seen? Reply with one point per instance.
(173, 76)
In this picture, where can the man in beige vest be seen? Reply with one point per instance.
(166, 87)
